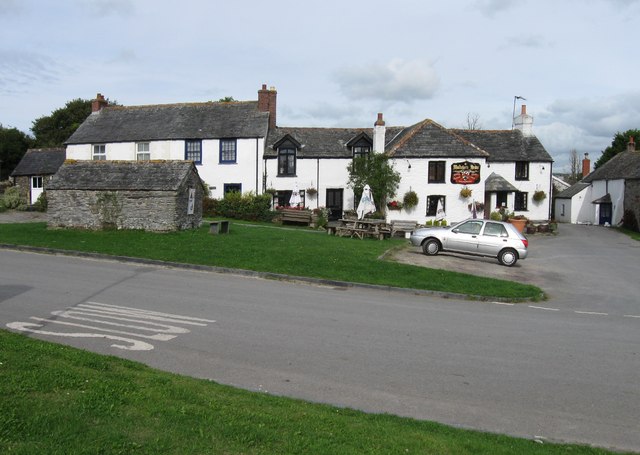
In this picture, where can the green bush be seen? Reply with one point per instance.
(41, 204)
(3, 208)
(12, 199)
(247, 206)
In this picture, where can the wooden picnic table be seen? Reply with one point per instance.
(362, 228)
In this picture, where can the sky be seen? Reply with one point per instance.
(337, 63)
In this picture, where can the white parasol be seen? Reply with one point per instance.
(295, 198)
(366, 204)
(440, 215)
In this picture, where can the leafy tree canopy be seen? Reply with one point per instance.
(227, 99)
(375, 171)
(619, 144)
(13, 145)
(52, 130)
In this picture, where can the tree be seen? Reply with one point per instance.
(226, 99)
(376, 171)
(53, 130)
(13, 145)
(575, 167)
(473, 121)
(619, 144)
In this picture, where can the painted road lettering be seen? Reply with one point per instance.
(114, 322)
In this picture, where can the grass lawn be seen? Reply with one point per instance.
(268, 248)
(60, 400)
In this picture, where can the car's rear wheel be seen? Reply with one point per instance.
(508, 257)
(431, 247)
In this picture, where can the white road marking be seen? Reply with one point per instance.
(504, 303)
(136, 345)
(118, 320)
(158, 336)
(543, 308)
(155, 327)
(631, 316)
(592, 312)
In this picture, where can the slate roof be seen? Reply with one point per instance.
(625, 165)
(44, 161)
(506, 145)
(173, 122)
(497, 182)
(428, 139)
(320, 142)
(121, 175)
(572, 190)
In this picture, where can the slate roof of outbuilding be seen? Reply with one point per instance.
(572, 190)
(506, 145)
(173, 122)
(429, 139)
(122, 175)
(43, 161)
(623, 166)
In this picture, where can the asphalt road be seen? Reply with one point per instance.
(547, 370)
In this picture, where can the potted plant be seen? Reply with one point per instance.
(539, 196)
(311, 192)
(519, 221)
(465, 192)
(410, 199)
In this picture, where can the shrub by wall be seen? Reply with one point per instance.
(247, 206)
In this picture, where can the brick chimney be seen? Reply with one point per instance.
(631, 146)
(98, 103)
(586, 165)
(379, 131)
(267, 103)
(524, 122)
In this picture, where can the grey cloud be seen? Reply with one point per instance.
(491, 7)
(19, 70)
(9, 7)
(111, 7)
(398, 80)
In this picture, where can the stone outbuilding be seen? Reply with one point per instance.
(35, 170)
(148, 195)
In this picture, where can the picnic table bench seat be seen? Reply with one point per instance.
(402, 226)
(296, 216)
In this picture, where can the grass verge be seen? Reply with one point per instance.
(298, 252)
(61, 400)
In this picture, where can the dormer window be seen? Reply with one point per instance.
(286, 161)
(287, 148)
(361, 150)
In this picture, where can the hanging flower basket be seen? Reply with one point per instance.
(394, 205)
(465, 192)
(311, 192)
(539, 196)
(410, 199)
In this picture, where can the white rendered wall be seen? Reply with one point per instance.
(616, 189)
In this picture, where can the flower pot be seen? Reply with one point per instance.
(519, 224)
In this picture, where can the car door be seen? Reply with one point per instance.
(464, 237)
(494, 237)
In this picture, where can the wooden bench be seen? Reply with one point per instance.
(219, 227)
(296, 216)
(403, 226)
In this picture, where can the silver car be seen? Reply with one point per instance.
(478, 237)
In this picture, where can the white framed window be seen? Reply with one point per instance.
(142, 151)
(36, 182)
(99, 152)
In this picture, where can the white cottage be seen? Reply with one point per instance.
(238, 146)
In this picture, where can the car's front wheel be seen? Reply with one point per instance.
(431, 247)
(508, 257)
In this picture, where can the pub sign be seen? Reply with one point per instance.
(465, 173)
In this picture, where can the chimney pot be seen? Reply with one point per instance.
(586, 165)
(524, 109)
(98, 103)
(380, 120)
(631, 146)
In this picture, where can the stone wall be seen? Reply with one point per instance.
(147, 210)
(632, 197)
